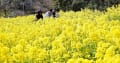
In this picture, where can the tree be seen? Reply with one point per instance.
(5, 6)
(81, 4)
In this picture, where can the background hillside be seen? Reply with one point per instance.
(12, 8)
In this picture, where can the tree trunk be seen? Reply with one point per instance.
(5, 12)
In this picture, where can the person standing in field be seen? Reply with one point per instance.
(56, 13)
(39, 15)
(48, 13)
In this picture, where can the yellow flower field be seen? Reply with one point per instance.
(75, 37)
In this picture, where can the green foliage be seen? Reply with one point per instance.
(92, 4)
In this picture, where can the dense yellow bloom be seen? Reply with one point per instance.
(74, 37)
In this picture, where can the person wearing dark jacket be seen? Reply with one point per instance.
(56, 13)
(39, 15)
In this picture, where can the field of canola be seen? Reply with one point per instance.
(75, 37)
